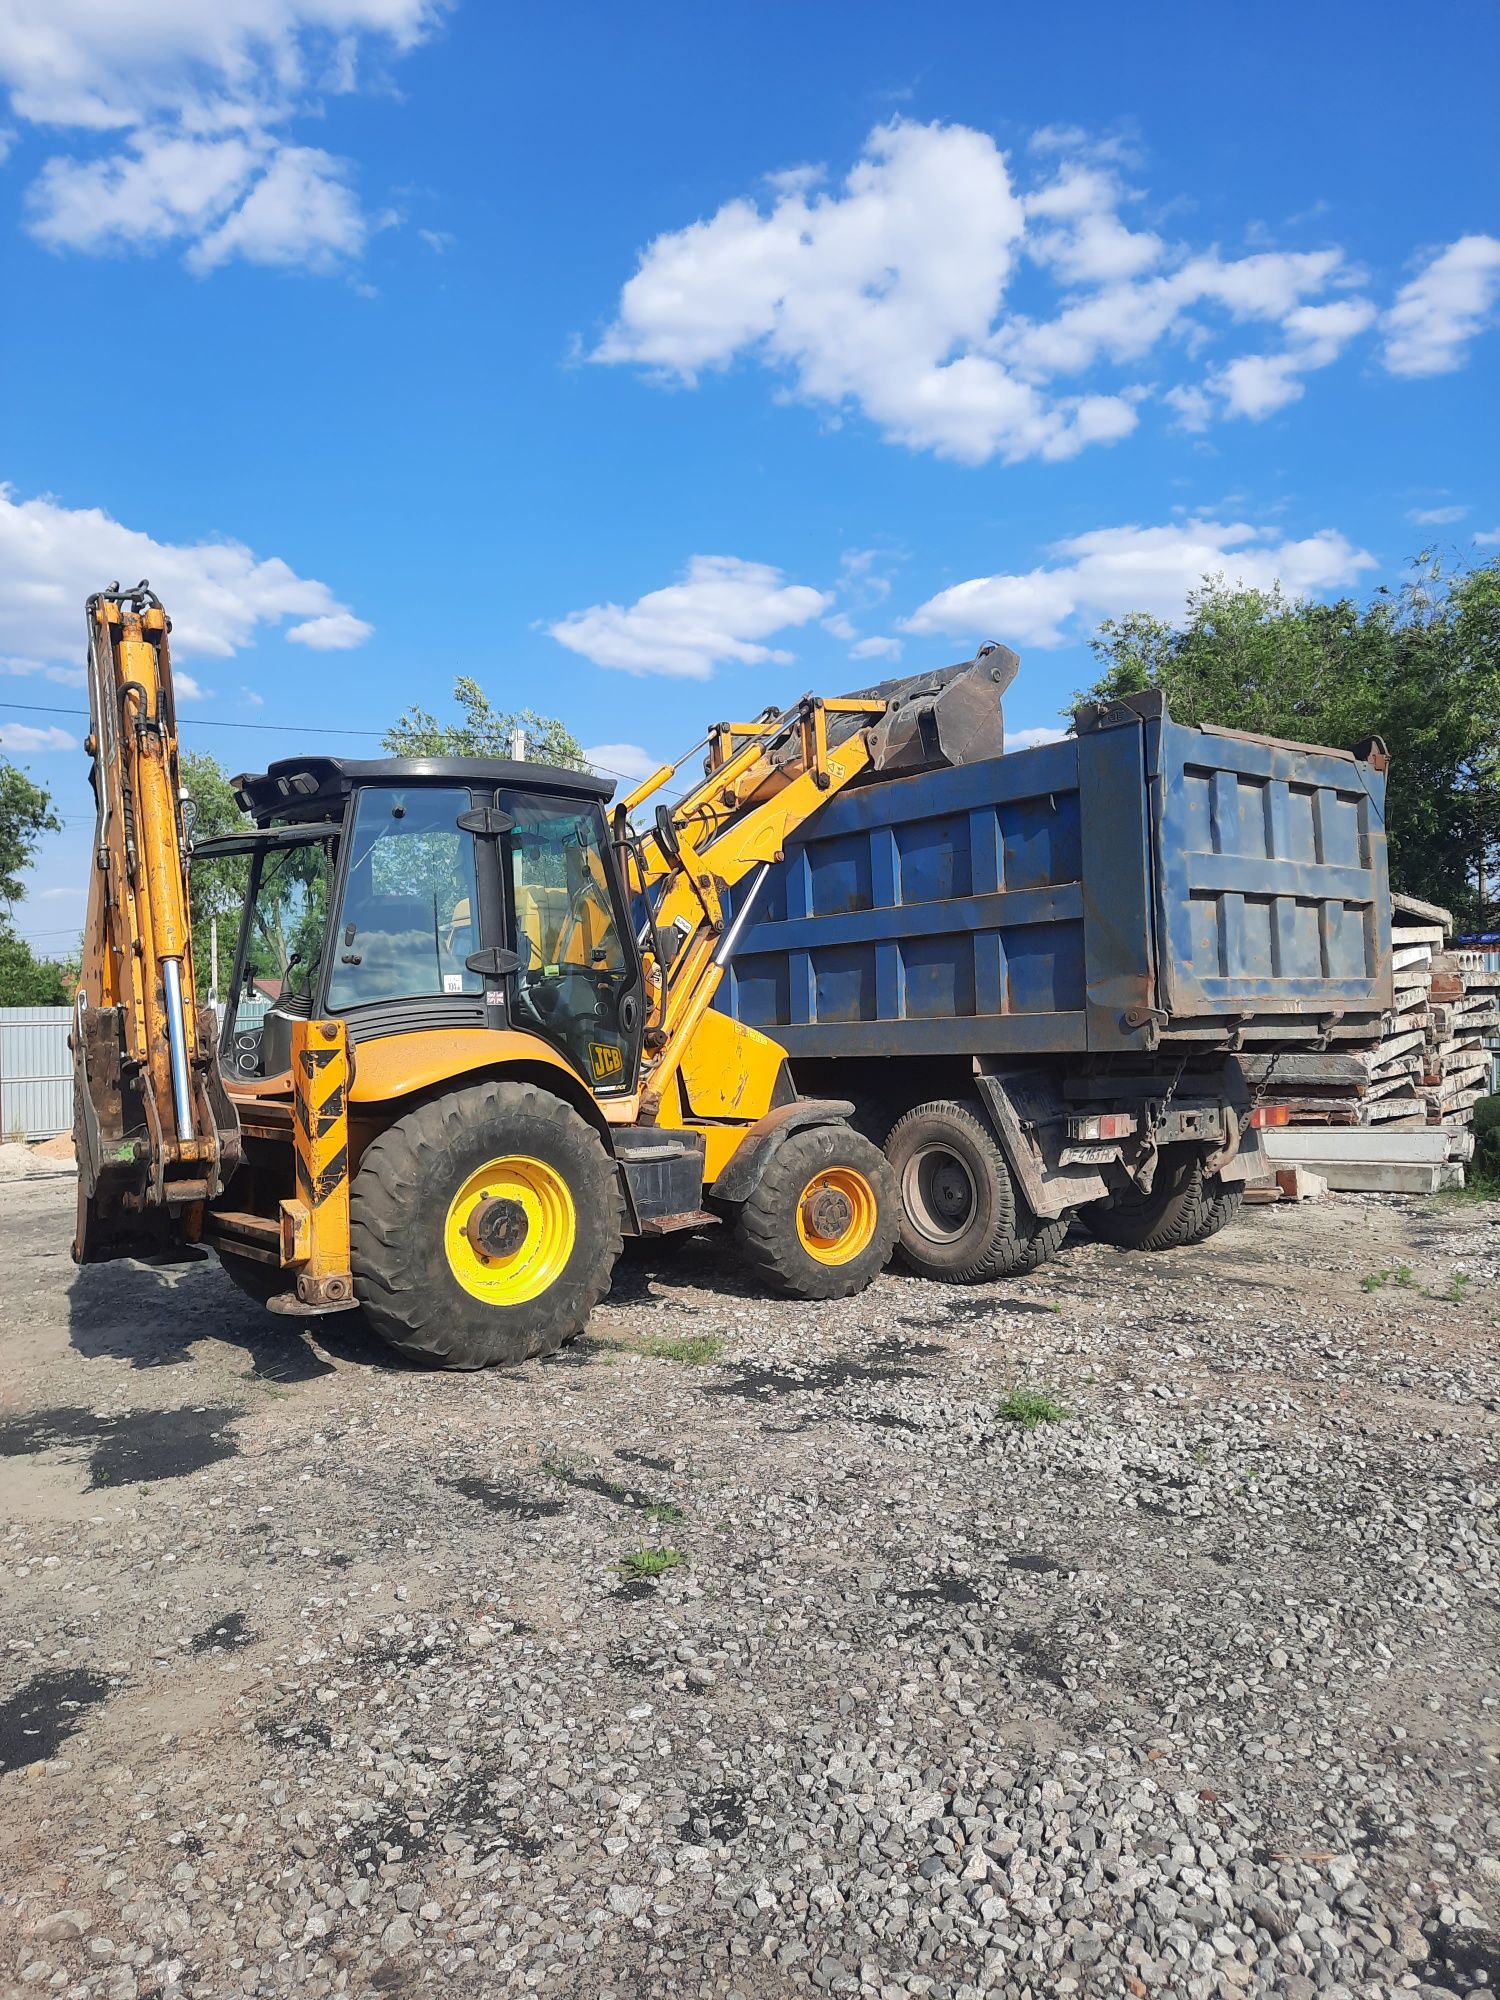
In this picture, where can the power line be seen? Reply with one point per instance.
(275, 728)
(196, 722)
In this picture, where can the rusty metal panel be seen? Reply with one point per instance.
(1271, 892)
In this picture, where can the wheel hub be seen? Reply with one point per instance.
(938, 1193)
(497, 1227)
(827, 1212)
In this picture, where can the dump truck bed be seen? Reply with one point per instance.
(1139, 883)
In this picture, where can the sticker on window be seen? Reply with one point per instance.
(453, 982)
(607, 1061)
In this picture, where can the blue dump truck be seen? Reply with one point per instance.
(1032, 974)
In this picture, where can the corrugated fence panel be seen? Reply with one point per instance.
(36, 1073)
(36, 1068)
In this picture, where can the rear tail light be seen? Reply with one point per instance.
(1270, 1114)
(1103, 1125)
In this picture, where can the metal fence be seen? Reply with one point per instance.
(36, 1069)
(36, 1073)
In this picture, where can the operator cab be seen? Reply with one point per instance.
(404, 894)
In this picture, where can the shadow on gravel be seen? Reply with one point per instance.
(154, 1316)
(136, 1446)
(1461, 1961)
(44, 1714)
(889, 1361)
(654, 1264)
(503, 1499)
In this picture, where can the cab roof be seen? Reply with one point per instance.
(312, 787)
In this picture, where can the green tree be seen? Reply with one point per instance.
(25, 815)
(485, 731)
(218, 887)
(29, 981)
(1418, 666)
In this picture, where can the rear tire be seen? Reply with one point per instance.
(962, 1220)
(439, 1285)
(778, 1227)
(1185, 1206)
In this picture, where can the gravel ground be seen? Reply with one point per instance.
(326, 1675)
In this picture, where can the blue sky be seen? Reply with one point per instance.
(655, 363)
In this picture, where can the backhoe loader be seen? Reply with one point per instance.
(469, 1043)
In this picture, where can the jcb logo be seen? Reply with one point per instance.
(607, 1060)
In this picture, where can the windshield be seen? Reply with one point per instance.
(285, 932)
(407, 922)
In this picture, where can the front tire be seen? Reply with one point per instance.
(484, 1227)
(962, 1221)
(821, 1222)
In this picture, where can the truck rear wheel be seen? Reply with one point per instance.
(962, 1220)
(821, 1221)
(484, 1226)
(1185, 1206)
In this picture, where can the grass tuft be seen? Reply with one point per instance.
(1030, 1407)
(694, 1350)
(650, 1562)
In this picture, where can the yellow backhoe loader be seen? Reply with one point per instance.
(469, 1041)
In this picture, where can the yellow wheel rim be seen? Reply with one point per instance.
(836, 1215)
(510, 1230)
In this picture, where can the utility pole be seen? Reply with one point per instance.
(518, 744)
(213, 963)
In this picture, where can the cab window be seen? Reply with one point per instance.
(407, 921)
(574, 966)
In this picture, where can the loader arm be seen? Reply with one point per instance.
(762, 781)
(155, 1132)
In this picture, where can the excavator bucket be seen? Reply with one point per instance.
(951, 716)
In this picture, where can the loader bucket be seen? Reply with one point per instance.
(951, 716)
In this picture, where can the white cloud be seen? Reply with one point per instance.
(251, 699)
(883, 293)
(722, 610)
(842, 626)
(331, 632)
(24, 736)
(1435, 517)
(61, 676)
(622, 760)
(1255, 385)
(187, 106)
(1435, 316)
(299, 212)
(1028, 739)
(1111, 571)
(219, 594)
(187, 688)
(876, 648)
(891, 291)
(1488, 538)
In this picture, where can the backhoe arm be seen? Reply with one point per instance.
(155, 1132)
